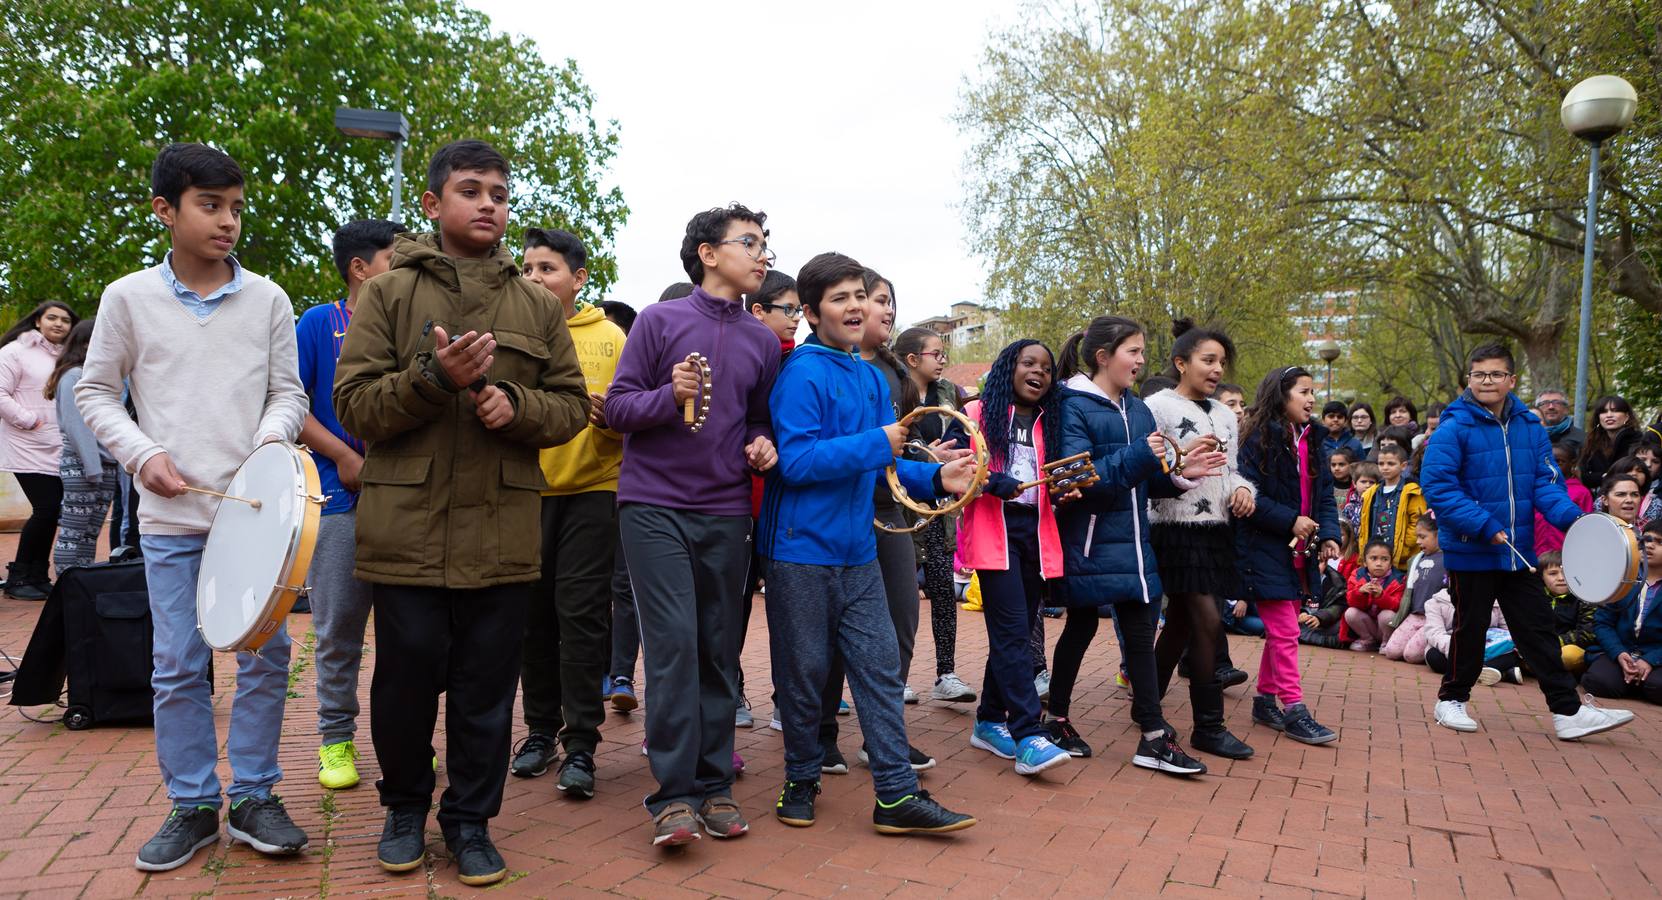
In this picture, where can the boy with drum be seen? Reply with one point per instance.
(209, 350)
(1488, 467)
(454, 373)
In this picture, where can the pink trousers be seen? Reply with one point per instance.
(1278, 669)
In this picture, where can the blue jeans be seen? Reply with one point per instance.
(187, 746)
(1250, 624)
(813, 613)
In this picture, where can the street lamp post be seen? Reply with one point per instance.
(382, 125)
(1595, 111)
(1329, 351)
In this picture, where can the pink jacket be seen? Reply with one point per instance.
(981, 535)
(1549, 538)
(31, 442)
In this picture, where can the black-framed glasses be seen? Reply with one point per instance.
(1488, 377)
(791, 311)
(756, 250)
(1564, 403)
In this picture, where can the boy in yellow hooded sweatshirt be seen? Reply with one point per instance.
(569, 630)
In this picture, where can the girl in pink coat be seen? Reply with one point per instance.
(31, 444)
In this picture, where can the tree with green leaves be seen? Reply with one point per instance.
(93, 90)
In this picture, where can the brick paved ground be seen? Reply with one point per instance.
(1397, 808)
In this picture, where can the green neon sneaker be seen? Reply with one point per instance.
(335, 767)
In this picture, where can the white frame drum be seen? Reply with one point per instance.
(1601, 558)
(256, 558)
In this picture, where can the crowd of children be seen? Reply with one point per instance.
(530, 490)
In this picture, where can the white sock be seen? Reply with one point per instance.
(1151, 735)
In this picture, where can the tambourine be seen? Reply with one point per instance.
(978, 446)
(697, 409)
(1066, 474)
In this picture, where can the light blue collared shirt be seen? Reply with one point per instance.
(199, 306)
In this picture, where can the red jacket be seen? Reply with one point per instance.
(1390, 599)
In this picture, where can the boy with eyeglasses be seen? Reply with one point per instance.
(1488, 467)
(777, 306)
(684, 510)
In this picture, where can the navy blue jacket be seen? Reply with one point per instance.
(1105, 540)
(829, 408)
(1346, 439)
(1261, 540)
(1483, 475)
(1614, 624)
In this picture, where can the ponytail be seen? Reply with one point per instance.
(1101, 333)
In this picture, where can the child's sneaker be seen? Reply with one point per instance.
(738, 764)
(263, 823)
(952, 689)
(795, 806)
(993, 737)
(335, 768)
(917, 812)
(1302, 727)
(674, 826)
(1036, 753)
(832, 763)
(1266, 711)
(1041, 684)
(908, 696)
(1162, 754)
(1488, 676)
(623, 695)
(843, 709)
(722, 819)
(1063, 734)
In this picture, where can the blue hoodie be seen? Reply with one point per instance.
(1484, 474)
(828, 408)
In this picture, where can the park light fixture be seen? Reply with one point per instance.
(1595, 111)
(381, 125)
(1329, 351)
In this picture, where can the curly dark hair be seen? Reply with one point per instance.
(997, 396)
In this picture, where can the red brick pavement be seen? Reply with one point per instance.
(1398, 808)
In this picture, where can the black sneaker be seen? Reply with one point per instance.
(833, 763)
(1303, 728)
(917, 812)
(403, 839)
(1230, 676)
(1063, 735)
(1513, 675)
(577, 775)
(534, 755)
(918, 759)
(477, 862)
(1265, 711)
(183, 833)
(263, 823)
(796, 803)
(1163, 755)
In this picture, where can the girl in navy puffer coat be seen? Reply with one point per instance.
(1105, 535)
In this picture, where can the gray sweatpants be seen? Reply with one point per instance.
(340, 611)
(688, 571)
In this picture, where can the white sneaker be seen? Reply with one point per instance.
(1488, 676)
(1452, 714)
(775, 724)
(1589, 720)
(1041, 683)
(908, 695)
(952, 690)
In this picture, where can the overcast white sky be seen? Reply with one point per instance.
(834, 119)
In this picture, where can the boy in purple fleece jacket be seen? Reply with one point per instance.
(684, 511)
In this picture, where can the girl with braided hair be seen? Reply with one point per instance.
(1009, 537)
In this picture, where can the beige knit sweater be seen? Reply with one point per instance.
(208, 391)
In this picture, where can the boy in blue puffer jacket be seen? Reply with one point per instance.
(1488, 467)
(835, 430)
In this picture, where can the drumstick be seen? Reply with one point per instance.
(196, 490)
(1520, 556)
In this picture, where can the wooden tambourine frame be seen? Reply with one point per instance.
(925, 512)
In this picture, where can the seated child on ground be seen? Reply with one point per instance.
(1425, 577)
(1373, 594)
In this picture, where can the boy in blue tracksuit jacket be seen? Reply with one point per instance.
(834, 428)
(1487, 469)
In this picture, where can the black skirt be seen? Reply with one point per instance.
(1197, 559)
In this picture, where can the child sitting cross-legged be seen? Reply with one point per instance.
(1426, 576)
(1572, 619)
(1374, 594)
